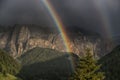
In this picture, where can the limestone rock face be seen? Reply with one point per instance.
(15, 40)
(20, 39)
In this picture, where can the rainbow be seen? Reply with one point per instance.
(61, 29)
(59, 24)
(104, 18)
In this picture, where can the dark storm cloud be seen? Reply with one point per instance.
(90, 14)
(81, 13)
(23, 11)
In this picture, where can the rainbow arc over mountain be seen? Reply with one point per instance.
(102, 14)
(59, 24)
(61, 29)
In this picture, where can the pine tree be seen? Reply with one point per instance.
(87, 69)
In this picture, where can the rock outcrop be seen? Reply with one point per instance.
(19, 39)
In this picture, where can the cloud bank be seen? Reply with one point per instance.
(81, 13)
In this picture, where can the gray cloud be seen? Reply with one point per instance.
(82, 13)
(91, 14)
(23, 11)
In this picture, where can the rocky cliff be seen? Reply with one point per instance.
(20, 38)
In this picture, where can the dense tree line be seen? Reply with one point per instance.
(111, 64)
(8, 64)
(8, 67)
(87, 69)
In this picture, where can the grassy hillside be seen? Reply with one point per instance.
(40, 63)
(111, 64)
(8, 64)
(8, 77)
(8, 67)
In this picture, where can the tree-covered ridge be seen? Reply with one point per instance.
(8, 67)
(46, 64)
(39, 55)
(8, 64)
(111, 64)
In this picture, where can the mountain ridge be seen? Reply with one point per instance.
(21, 38)
(110, 64)
(47, 64)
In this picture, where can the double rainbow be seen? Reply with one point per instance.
(59, 24)
(104, 18)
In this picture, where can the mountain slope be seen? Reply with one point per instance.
(8, 67)
(8, 77)
(21, 38)
(8, 64)
(40, 63)
(111, 64)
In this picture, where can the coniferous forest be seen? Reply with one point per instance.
(48, 64)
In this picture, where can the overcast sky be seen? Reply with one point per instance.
(89, 14)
